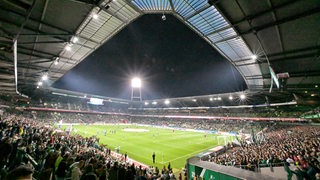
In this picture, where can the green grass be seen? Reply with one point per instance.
(169, 146)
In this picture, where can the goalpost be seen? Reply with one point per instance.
(224, 139)
(221, 139)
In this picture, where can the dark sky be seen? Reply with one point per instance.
(169, 57)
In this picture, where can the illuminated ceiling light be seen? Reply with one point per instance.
(75, 39)
(44, 77)
(56, 60)
(211, 99)
(306, 92)
(163, 17)
(316, 86)
(95, 16)
(166, 102)
(219, 98)
(68, 47)
(37, 87)
(146, 103)
(254, 57)
(313, 95)
(154, 103)
(194, 100)
(40, 83)
(230, 97)
(242, 96)
(136, 83)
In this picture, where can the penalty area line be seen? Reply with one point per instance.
(195, 152)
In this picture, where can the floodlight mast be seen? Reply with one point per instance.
(136, 89)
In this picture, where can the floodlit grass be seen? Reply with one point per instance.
(169, 146)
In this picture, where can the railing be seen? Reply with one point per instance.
(253, 167)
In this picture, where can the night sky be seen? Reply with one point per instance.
(171, 59)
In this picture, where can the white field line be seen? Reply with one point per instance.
(180, 157)
(195, 152)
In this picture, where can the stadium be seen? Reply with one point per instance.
(159, 89)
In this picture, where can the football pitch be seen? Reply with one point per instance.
(174, 146)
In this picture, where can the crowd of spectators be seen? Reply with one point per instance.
(199, 124)
(225, 112)
(29, 139)
(82, 118)
(298, 146)
(31, 148)
(203, 124)
(70, 103)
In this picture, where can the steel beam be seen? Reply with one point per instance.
(281, 21)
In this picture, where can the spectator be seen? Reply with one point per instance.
(22, 172)
(76, 170)
(89, 173)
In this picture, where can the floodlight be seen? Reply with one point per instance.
(146, 103)
(75, 39)
(40, 83)
(163, 17)
(211, 99)
(37, 87)
(254, 57)
(219, 98)
(316, 86)
(230, 97)
(95, 16)
(136, 83)
(56, 60)
(44, 77)
(194, 100)
(242, 96)
(68, 47)
(166, 102)
(136, 89)
(154, 103)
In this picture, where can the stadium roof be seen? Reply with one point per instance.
(284, 34)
